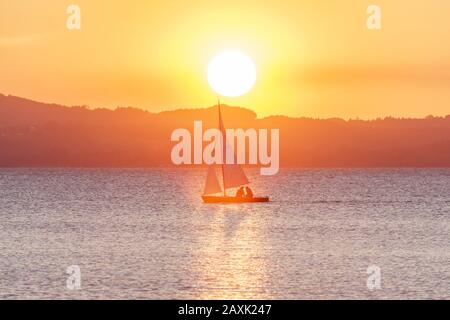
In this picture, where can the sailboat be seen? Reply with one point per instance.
(232, 176)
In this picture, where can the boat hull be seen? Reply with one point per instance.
(219, 199)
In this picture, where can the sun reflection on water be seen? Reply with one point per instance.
(230, 263)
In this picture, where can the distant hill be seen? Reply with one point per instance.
(40, 134)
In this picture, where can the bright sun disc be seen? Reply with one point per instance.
(231, 73)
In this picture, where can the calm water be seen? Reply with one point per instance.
(146, 234)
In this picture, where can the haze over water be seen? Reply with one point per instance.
(144, 233)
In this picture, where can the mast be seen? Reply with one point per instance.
(223, 146)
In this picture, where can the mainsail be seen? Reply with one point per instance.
(232, 174)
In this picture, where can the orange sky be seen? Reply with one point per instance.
(314, 58)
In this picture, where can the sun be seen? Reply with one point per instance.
(231, 73)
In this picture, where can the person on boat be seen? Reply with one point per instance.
(248, 192)
(244, 192)
(240, 193)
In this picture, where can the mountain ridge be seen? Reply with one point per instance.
(37, 134)
(4, 98)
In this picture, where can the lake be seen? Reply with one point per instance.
(145, 234)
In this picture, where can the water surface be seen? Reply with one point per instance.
(145, 234)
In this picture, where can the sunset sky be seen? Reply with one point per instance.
(313, 58)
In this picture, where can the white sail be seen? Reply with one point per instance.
(212, 183)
